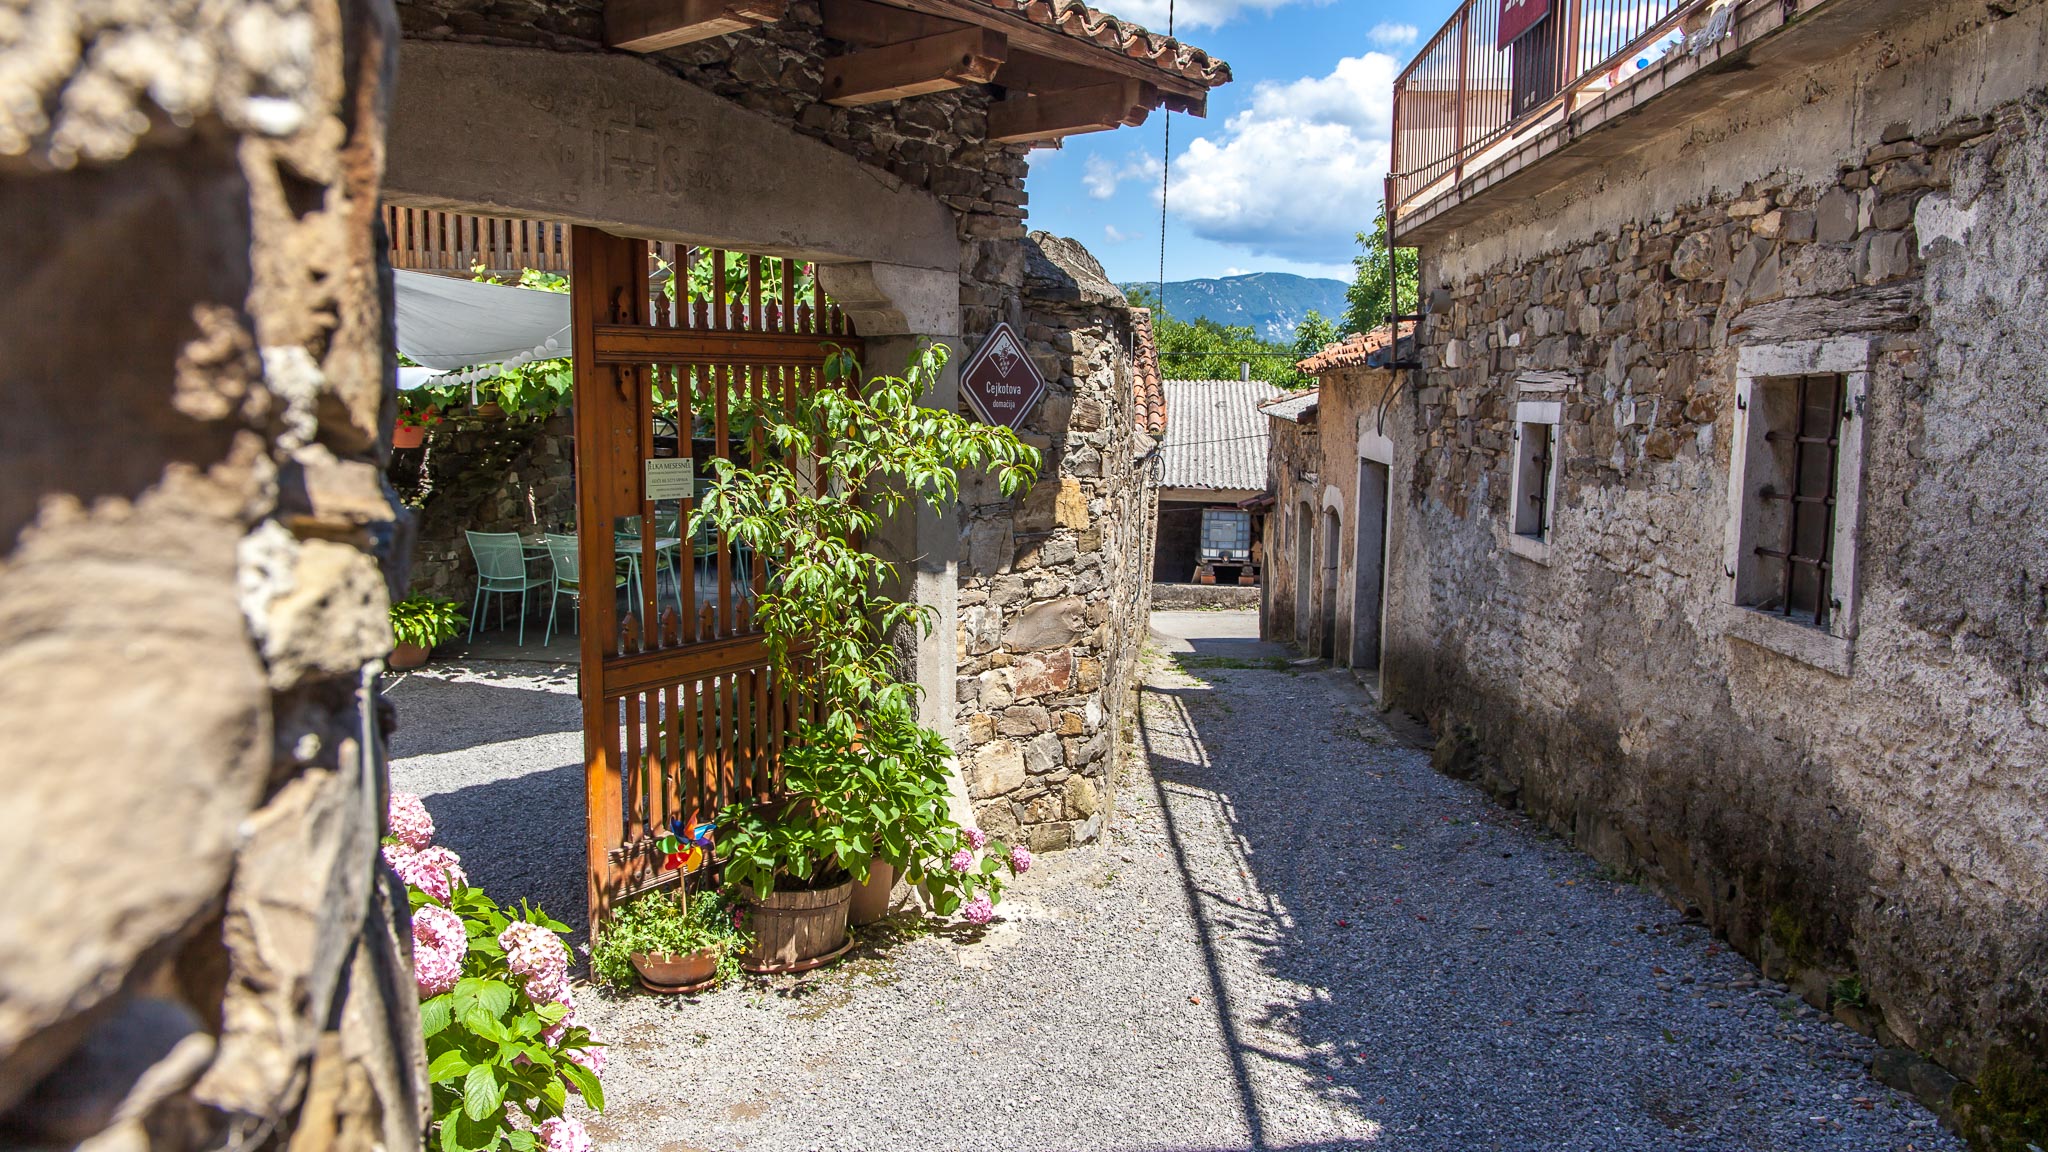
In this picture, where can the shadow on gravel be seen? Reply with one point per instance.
(522, 838)
(1445, 972)
(436, 716)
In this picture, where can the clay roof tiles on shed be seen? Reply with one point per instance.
(1218, 438)
(1078, 20)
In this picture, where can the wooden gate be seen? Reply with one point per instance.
(676, 353)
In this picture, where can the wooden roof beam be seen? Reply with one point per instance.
(1027, 35)
(1096, 108)
(652, 25)
(868, 24)
(915, 67)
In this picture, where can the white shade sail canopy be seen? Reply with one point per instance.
(475, 330)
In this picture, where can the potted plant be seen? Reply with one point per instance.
(864, 784)
(418, 623)
(669, 942)
(414, 418)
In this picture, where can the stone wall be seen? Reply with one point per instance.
(1054, 586)
(1293, 470)
(484, 474)
(196, 948)
(1885, 824)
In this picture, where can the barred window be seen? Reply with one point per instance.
(1789, 496)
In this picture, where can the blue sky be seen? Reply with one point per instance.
(1284, 170)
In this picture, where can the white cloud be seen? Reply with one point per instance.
(1234, 270)
(1114, 234)
(1393, 35)
(1101, 175)
(1299, 172)
(1196, 13)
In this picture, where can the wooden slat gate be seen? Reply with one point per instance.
(682, 710)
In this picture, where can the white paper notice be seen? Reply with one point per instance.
(671, 479)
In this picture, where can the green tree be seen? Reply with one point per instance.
(1368, 295)
(1206, 350)
(1312, 334)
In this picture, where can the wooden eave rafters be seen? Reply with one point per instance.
(1070, 111)
(1050, 84)
(652, 25)
(915, 67)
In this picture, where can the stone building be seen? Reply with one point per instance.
(1329, 479)
(1213, 458)
(1713, 538)
(198, 947)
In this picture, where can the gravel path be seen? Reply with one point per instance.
(1297, 936)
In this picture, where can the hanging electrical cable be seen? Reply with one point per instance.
(1165, 173)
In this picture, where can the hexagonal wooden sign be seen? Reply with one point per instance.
(1000, 382)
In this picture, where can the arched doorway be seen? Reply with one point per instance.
(1326, 615)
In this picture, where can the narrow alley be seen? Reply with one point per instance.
(1298, 935)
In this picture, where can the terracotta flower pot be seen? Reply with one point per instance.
(871, 900)
(676, 971)
(408, 436)
(407, 656)
(797, 931)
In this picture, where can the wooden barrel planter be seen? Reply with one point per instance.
(797, 931)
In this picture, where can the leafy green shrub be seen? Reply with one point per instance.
(668, 922)
(867, 781)
(426, 620)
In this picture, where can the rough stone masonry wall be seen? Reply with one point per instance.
(196, 548)
(1054, 586)
(483, 474)
(1888, 824)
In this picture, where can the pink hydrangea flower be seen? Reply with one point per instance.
(591, 1058)
(976, 838)
(439, 944)
(979, 910)
(537, 956)
(409, 821)
(962, 860)
(434, 870)
(563, 1134)
(1020, 859)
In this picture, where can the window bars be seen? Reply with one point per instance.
(1806, 557)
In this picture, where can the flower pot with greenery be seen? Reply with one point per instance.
(418, 623)
(864, 782)
(670, 943)
(415, 416)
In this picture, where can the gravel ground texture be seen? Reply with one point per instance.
(1295, 936)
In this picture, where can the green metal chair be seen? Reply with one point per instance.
(500, 570)
(562, 556)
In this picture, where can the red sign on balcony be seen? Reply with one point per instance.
(1518, 17)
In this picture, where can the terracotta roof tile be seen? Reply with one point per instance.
(1077, 19)
(1359, 348)
(1150, 397)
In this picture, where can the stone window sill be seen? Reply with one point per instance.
(1529, 548)
(1801, 642)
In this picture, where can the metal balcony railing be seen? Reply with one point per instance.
(1467, 94)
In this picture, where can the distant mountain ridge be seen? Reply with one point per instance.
(1271, 304)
